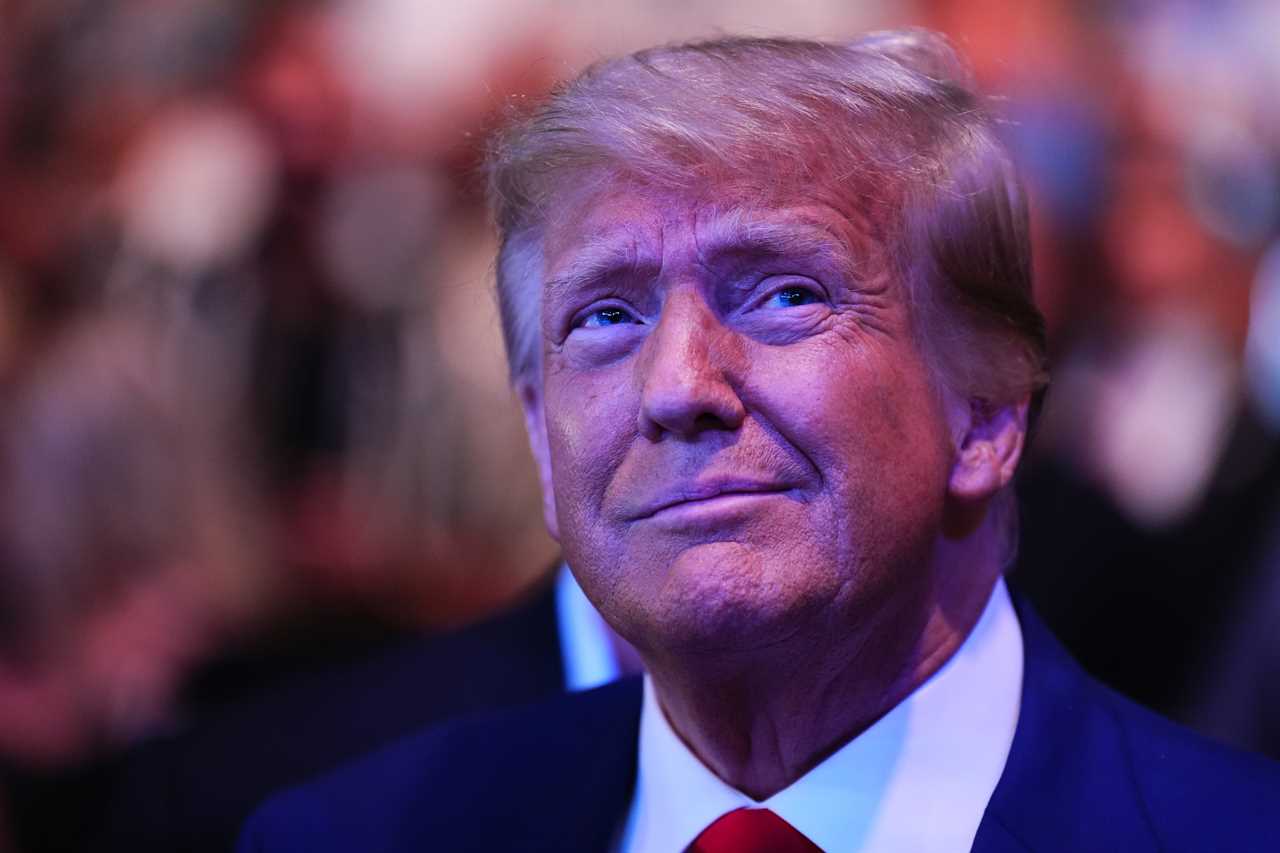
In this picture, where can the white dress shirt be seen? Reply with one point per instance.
(917, 780)
(588, 656)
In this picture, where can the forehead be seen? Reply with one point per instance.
(598, 228)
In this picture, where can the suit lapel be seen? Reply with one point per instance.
(600, 789)
(575, 783)
(1067, 783)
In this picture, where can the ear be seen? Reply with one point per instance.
(989, 441)
(535, 424)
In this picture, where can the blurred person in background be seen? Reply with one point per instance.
(127, 546)
(1151, 504)
(327, 261)
(239, 166)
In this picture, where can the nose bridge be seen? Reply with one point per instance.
(685, 369)
(683, 341)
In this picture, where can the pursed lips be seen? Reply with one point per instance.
(703, 493)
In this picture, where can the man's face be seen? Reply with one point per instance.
(741, 442)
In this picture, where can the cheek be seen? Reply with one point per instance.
(871, 425)
(590, 423)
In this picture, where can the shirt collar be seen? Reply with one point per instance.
(588, 657)
(918, 779)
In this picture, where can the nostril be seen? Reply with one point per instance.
(710, 421)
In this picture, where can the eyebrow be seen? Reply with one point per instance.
(599, 259)
(733, 234)
(726, 235)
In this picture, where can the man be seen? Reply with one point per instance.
(768, 309)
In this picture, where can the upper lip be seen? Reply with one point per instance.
(704, 491)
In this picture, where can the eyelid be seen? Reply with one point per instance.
(772, 285)
(579, 318)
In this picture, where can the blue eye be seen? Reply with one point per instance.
(602, 317)
(791, 297)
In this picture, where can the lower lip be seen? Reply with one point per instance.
(714, 510)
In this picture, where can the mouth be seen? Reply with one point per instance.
(711, 499)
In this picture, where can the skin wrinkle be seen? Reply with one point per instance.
(600, 261)
(749, 242)
(771, 729)
(590, 186)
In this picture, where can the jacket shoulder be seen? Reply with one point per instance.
(468, 784)
(1198, 793)
(1092, 770)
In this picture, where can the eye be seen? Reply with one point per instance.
(610, 315)
(790, 297)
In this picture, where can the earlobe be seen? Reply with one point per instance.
(988, 449)
(535, 425)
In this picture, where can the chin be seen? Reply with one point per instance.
(725, 598)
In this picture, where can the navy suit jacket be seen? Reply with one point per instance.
(1088, 771)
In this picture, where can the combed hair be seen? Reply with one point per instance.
(890, 123)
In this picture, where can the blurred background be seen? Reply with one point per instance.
(254, 417)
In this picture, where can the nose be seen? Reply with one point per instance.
(686, 368)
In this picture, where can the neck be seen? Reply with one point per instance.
(760, 722)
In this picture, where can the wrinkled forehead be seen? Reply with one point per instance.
(601, 224)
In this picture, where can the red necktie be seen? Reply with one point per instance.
(752, 831)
